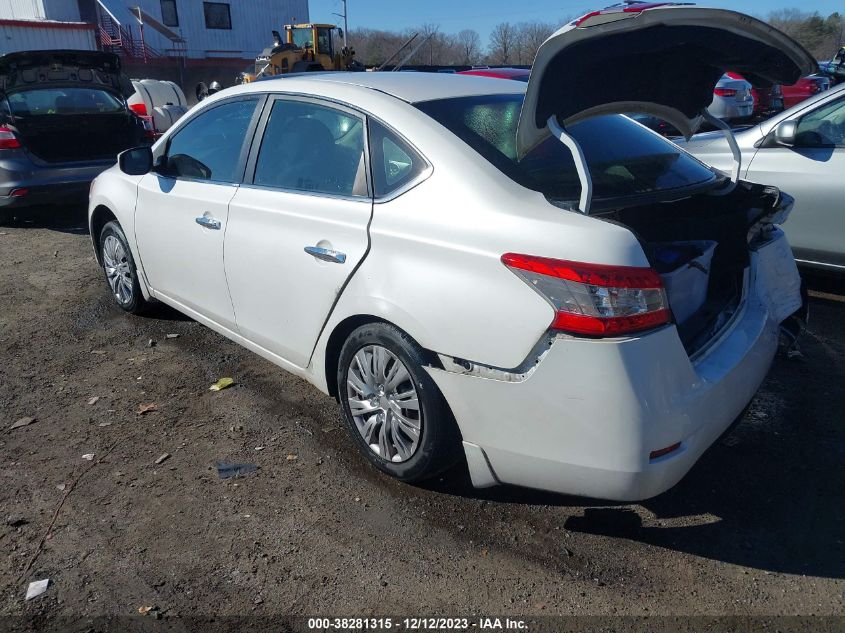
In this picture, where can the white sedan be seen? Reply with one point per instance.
(510, 274)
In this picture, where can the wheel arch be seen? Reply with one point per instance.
(336, 340)
(101, 216)
(342, 331)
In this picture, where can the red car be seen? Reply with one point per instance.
(517, 74)
(766, 102)
(805, 88)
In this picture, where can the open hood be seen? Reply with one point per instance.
(68, 68)
(658, 59)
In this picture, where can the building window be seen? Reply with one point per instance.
(169, 15)
(217, 15)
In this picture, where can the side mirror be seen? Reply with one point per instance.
(340, 32)
(136, 161)
(786, 132)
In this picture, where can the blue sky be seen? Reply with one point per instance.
(483, 15)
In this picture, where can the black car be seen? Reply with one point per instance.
(63, 120)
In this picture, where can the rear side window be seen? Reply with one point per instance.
(52, 101)
(395, 163)
(624, 158)
(209, 146)
(314, 148)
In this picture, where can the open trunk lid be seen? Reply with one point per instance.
(29, 69)
(68, 106)
(658, 59)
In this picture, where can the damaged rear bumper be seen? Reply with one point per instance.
(587, 419)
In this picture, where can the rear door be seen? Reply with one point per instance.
(182, 212)
(298, 226)
(811, 172)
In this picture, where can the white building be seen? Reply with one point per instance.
(147, 30)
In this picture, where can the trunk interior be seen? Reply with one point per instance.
(726, 222)
(59, 138)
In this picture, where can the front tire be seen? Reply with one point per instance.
(120, 270)
(394, 412)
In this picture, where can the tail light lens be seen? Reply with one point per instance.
(724, 92)
(139, 108)
(8, 140)
(595, 299)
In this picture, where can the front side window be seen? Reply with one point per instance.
(314, 148)
(624, 158)
(217, 15)
(169, 15)
(823, 127)
(52, 101)
(395, 163)
(209, 146)
(324, 41)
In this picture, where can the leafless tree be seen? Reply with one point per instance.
(503, 42)
(469, 44)
(530, 35)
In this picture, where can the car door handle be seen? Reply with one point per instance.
(209, 223)
(327, 255)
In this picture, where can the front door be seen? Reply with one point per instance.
(811, 172)
(183, 209)
(299, 228)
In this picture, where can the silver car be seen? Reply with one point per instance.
(732, 99)
(801, 151)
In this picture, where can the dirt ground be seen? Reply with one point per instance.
(757, 527)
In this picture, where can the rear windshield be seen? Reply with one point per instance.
(50, 101)
(625, 159)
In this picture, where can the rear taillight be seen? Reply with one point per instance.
(595, 299)
(139, 108)
(724, 92)
(8, 140)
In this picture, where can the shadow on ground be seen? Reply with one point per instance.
(62, 218)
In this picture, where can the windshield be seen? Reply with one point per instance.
(303, 37)
(625, 159)
(46, 101)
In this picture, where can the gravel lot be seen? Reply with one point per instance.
(757, 527)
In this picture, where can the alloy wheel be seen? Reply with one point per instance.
(118, 270)
(384, 403)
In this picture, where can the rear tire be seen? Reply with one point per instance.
(120, 270)
(6, 217)
(380, 375)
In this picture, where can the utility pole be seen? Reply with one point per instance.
(345, 21)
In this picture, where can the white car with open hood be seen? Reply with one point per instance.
(514, 275)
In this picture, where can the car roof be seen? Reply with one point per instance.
(497, 72)
(409, 87)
